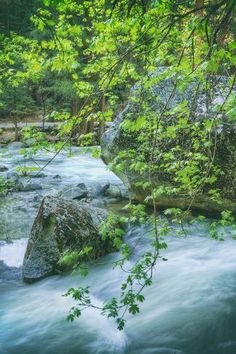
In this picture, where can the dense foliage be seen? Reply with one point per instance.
(81, 58)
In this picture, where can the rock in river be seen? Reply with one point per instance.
(164, 96)
(114, 191)
(62, 225)
(16, 145)
(3, 168)
(79, 191)
(29, 187)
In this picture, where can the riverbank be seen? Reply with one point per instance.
(8, 131)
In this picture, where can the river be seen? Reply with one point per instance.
(189, 309)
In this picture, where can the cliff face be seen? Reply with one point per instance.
(204, 105)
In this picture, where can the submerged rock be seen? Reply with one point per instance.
(3, 168)
(29, 187)
(15, 182)
(30, 142)
(36, 174)
(57, 177)
(16, 145)
(13, 176)
(164, 94)
(62, 225)
(114, 191)
(9, 273)
(79, 191)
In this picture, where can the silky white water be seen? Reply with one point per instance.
(190, 308)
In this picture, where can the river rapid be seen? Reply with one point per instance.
(189, 309)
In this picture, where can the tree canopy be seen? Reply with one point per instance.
(82, 58)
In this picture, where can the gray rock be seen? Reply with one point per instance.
(3, 168)
(57, 177)
(13, 176)
(16, 145)
(36, 174)
(30, 142)
(83, 187)
(112, 191)
(9, 273)
(37, 198)
(29, 187)
(79, 191)
(104, 188)
(18, 187)
(15, 182)
(116, 140)
(62, 225)
(98, 203)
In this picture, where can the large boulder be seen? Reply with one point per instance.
(164, 96)
(60, 226)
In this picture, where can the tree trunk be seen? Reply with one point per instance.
(83, 126)
(15, 122)
(44, 115)
(102, 123)
(14, 116)
(91, 126)
(199, 4)
(75, 106)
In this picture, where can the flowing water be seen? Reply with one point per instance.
(190, 308)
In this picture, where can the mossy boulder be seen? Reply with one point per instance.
(61, 226)
(163, 95)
